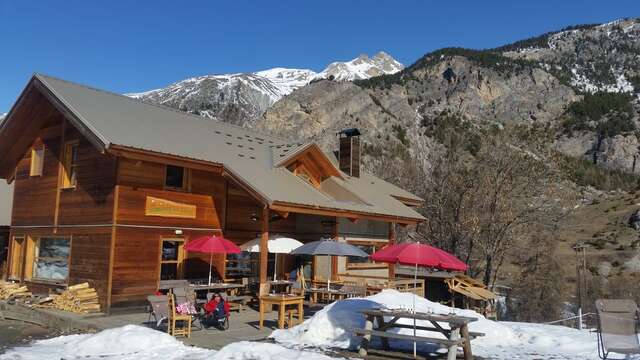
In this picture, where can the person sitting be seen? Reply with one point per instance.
(217, 312)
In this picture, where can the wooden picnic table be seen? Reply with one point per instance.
(330, 294)
(216, 286)
(282, 300)
(456, 335)
(284, 285)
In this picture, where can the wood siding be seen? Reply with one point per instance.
(89, 260)
(91, 201)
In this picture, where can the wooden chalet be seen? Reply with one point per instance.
(108, 190)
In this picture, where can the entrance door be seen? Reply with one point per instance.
(17, 257)
(171, 259)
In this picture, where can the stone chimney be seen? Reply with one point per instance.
(349, 152)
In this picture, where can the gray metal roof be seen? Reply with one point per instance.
(119, 120)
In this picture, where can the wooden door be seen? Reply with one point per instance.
(18, 247)
(171, 258)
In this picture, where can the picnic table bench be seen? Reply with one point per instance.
(456, 335)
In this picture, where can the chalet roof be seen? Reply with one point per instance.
(115, 119)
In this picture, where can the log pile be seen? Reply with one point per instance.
(13, 291)
(78, 298)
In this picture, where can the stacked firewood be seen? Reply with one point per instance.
(78, 298)
(12, 291)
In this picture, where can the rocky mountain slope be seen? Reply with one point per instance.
(530, 82)
(242, 98)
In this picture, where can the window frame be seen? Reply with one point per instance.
(179, 262)
(69, 167)
(186, 179)
(17, 259)
(34, 260)
(369, 264)
(39, 170)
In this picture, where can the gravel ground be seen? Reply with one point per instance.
(16, 333)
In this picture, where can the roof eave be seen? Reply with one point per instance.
(84, 127)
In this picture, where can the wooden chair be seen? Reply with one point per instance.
(174, 319)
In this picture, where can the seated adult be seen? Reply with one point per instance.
(217, 312)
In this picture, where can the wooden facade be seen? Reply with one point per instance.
(107, 216)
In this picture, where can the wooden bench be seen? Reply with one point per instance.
(384, 334)
(238, 302)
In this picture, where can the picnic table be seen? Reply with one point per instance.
(281, 285)
(456, 335)
(282, 300)
(330, 294)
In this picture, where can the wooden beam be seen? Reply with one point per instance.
(264, 239)
(392, 240)
(334, 259)
(150, 156)
(305, 209)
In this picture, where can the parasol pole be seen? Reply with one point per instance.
(210, 266)
(275, 266)
(415, 280)
(329, 279)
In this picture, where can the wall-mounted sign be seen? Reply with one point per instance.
(167, 208)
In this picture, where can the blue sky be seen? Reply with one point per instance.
(127, 46)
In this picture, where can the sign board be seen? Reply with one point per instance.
(167, 208)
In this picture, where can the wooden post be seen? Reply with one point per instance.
(466, 345)
(334, 259)
(392, 240)
(264, 251)
(453, 349)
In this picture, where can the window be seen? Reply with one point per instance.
(51, 260)
(369, 247)
(171, 259)
(37, 162)
(176, 177)
(70, 164)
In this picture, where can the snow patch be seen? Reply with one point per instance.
(126, 343)
(329, 328)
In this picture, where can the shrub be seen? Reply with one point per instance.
(607, 113)
(584, 172)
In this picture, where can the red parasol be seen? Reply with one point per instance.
(417, 254)
(212, 245)
(420, 254)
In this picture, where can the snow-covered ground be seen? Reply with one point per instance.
(325, 330)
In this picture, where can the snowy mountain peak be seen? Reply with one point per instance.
(287, 80)
(362, 67)
(243, 97)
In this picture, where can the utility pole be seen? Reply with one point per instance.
(581, 266)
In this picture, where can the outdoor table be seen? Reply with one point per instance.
(331, 294)
(457, 334)
(286, 284)
(282, 300)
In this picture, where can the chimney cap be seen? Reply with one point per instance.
(350, 132)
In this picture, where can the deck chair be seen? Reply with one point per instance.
(617, 327)
(158, 309)
(187, 295)
(178, 325)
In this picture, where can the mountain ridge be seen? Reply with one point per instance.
(241, 98)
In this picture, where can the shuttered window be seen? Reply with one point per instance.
(70, 163)
(37, 162)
